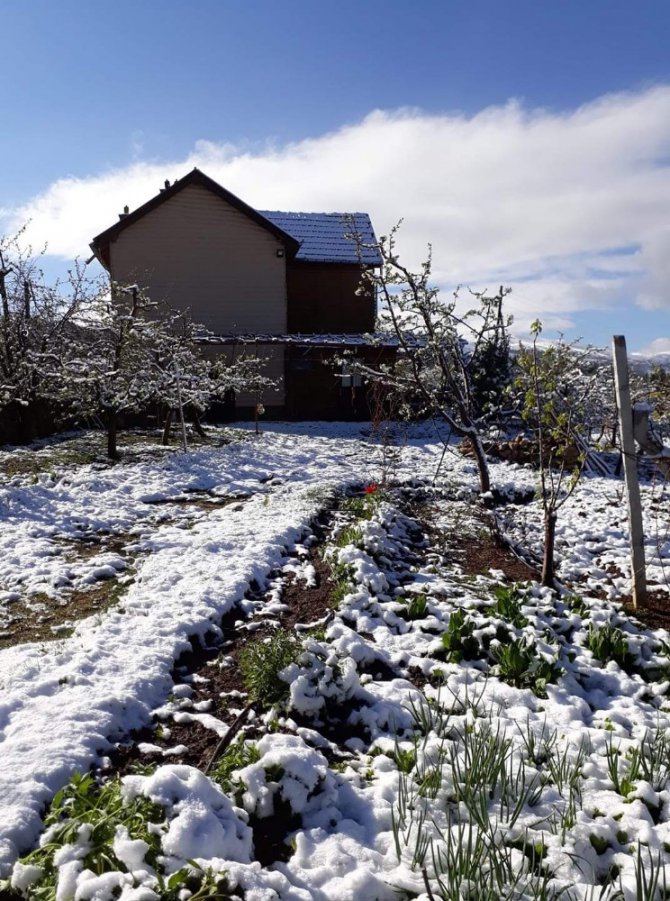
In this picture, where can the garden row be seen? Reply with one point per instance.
(380, 722)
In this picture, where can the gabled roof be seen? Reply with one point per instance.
(309, 237)
(329, 237)
(100, 244)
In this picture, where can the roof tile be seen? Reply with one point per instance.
(329, 237)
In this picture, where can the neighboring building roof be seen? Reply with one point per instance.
(311, 237)
(329, 237)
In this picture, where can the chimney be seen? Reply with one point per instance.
(125, 212)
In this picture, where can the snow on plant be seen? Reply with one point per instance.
(140, 837)
(38, 326)
(553, 396)
(262, 663)
(453, 363)
(289, 781)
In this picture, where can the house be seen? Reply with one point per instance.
(280, 285)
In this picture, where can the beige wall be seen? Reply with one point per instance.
(196, 251)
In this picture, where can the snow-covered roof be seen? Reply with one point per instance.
(329, 237)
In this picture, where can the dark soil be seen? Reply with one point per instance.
(483, 554)
(654, 612)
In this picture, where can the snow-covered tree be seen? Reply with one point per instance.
(37, 330)
(555, 386)
(132, 353)
(452, 363)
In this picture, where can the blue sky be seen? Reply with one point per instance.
(529, 140)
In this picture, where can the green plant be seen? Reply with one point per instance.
(416, 607)
(85, 811)
(458, 640)
(608, 643)
(342, 583)
(519, 664)
(261, 662)
(577, 605)
(623, 785)
(363, 507)
(349, 535)
(508, 605)
(238, 755)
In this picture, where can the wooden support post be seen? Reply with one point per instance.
(639, 586)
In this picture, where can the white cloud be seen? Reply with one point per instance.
(657, 346)
(571, 208)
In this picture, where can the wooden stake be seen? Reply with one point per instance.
(622, 384)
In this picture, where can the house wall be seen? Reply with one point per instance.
(322, 299)
(315, 388)
(196, 251)
(273, 368)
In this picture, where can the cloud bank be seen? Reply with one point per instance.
(570, 208)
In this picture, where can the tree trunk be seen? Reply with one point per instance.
(548, 575)
(197, 427)
(112, 450)
(482, 464)
(165, 440)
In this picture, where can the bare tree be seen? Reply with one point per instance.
(451, 363)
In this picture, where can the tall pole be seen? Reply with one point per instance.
(181, 411)
(639, 587)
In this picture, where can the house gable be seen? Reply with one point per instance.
(100, 244)
(195, 250)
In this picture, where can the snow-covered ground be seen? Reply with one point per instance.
(64, 703)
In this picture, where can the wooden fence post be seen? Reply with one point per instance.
(639, 587)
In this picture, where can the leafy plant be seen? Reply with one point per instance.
(508, 605)
(261, 662)
(238, 755)
(609, 643)
(458, 640)
(365, 506)
(86, 811)
(519, 664)
(416, 607)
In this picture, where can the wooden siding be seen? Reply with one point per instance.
(315, 388)
(198, 252)
(273, 368)
(322, 298)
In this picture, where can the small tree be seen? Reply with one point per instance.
(37, 332)
(554, 385)
(452, 364)
(114, 361)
